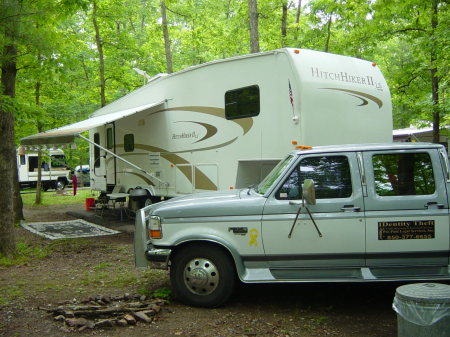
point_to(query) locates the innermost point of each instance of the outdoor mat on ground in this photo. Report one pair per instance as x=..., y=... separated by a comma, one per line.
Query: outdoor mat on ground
x=67, y=229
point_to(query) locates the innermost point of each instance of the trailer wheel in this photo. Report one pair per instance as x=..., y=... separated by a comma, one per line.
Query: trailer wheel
x=202, y=275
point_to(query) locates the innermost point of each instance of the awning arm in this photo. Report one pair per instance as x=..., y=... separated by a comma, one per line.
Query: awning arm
x=164, y=183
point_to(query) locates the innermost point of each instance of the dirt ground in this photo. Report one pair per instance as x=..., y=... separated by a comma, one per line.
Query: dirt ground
x=79, y=268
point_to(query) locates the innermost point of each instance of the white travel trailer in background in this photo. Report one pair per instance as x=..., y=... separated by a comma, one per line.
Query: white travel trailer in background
x=225, y=124
x=54, y=172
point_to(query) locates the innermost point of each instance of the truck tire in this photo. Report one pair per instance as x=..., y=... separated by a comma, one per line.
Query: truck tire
x=202, y=276
x=60, y=184
x=148, y=201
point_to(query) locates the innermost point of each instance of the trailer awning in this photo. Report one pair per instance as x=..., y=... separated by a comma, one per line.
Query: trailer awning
x=66, y=134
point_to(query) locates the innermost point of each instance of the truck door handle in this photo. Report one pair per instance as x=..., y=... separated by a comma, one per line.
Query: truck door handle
x=433, y=204
x=350, y=208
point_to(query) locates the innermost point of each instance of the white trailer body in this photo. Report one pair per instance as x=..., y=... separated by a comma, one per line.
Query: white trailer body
x=226, y=123
x=54, y=172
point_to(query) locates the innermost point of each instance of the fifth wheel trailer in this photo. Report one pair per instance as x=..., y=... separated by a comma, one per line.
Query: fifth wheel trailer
x=225, y=124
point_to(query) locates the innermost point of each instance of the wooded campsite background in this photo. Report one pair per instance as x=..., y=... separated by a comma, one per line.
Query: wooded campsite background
x=63, y=59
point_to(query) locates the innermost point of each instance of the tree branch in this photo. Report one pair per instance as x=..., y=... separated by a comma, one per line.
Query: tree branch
x=405, y=30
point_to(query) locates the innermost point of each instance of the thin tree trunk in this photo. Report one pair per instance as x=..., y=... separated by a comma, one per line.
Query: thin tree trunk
x=327, y=42
x=253, y=22
x=299, y=10
x=434, y=76
x=166, y=38
x=38, y=199
x=284, y=23
x=99, y=42
x=297, y=19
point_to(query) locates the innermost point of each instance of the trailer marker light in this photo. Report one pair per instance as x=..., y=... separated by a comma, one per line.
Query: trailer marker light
x=231, y=188
x=297, y=51
x=294, y=142
x=374, y=64
x=301, y=147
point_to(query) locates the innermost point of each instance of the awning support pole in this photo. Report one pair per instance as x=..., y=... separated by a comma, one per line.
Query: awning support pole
x=164, y=183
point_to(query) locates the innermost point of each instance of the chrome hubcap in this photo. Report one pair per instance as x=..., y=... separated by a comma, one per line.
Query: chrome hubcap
x=201, y=276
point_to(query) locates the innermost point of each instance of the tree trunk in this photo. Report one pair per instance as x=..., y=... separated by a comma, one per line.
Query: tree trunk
x=166, y=38
x=327, y=41
x=299, y=11
x=297, y=19
x=8, y=163
x=101, y=57
x=284, y=23
x=253, y=22
x=434, y=75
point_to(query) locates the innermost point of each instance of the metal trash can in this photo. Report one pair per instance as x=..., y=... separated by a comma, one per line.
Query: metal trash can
x=423, y=310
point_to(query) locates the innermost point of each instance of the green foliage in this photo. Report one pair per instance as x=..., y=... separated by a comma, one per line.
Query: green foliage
x=162, y=293
x=58, y=80
x=52, y=198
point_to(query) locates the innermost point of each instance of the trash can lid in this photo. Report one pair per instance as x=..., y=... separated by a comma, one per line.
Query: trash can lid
x=424, y=292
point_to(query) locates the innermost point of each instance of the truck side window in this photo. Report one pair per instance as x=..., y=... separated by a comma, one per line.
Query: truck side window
x=403, y=174
x=331, y=176
x=128, y=142
x=242, y=102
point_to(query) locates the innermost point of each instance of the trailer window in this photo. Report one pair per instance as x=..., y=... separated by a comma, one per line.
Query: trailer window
x=403, y=174
x=22, y=159
x=128, y=142
x=242, y=102
x=109, y=138
x=96, y=150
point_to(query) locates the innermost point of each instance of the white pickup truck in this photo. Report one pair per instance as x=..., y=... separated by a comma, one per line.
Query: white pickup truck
x=341, y=213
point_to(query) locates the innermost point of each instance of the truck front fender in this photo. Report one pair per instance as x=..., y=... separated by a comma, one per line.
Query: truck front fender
x=213, y=240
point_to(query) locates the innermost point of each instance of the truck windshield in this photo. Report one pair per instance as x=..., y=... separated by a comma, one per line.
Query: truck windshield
x=274, y=174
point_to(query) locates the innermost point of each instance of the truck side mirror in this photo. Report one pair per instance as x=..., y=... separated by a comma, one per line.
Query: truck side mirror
x=309, y=191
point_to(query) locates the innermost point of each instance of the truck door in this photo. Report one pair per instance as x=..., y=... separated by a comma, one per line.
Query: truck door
x=338, y=213
x=407, y=210
x=98, y=168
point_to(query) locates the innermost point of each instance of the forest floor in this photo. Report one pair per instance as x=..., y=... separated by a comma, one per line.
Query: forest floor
x=67, y=271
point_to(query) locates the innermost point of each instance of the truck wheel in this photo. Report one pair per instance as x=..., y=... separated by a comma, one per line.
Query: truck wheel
x=148, y=202
x=202, y=276
x=60, y=184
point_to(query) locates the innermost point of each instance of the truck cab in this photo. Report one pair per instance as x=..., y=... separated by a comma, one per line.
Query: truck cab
x=345, y=213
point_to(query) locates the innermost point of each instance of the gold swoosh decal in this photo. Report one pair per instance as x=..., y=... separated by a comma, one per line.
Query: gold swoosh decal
x=209, y=148
x=201, y=180
x=245, y=123
x=374, y=99
x=211, y=130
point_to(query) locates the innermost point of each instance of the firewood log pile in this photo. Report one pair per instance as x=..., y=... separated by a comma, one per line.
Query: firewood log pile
x=104, y=311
